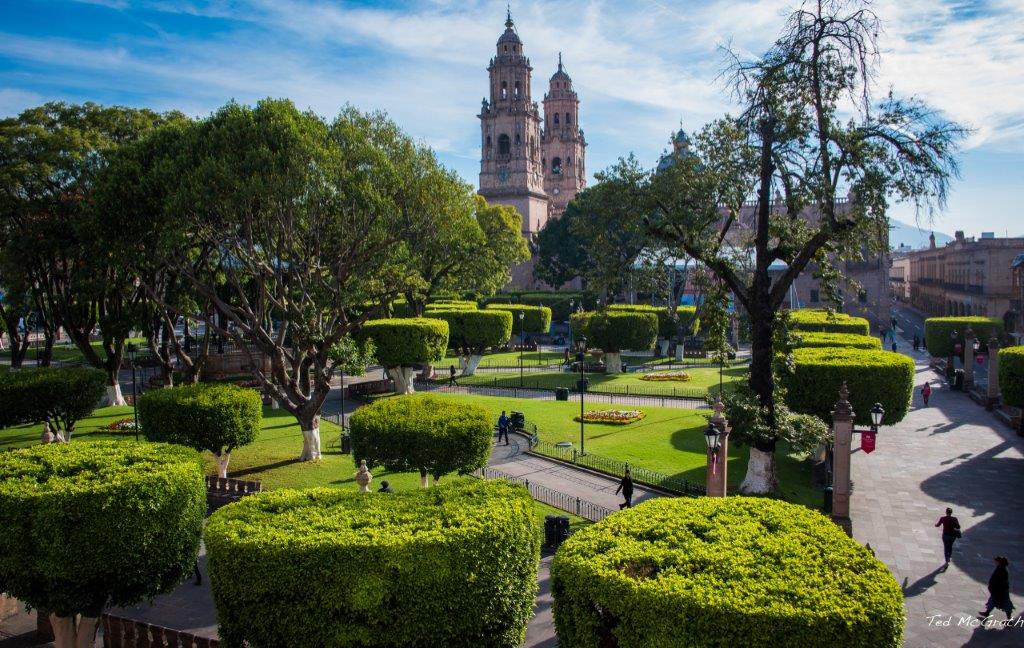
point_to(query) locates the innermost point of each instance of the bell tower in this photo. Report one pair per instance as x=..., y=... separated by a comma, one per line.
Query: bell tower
x=510, y=140
x=562, y=142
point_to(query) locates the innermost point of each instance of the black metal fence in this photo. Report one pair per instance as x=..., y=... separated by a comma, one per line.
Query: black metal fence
x=527, y=391
x=569, y=381
x=562, y=501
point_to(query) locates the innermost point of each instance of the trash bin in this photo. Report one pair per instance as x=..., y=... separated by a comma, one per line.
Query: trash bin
x=581, y=385
x=562, y=394
x=346, y=444
x=550, y=530
x=828, y=500
x=518, y=420
x=958, y=380
x=561, y=530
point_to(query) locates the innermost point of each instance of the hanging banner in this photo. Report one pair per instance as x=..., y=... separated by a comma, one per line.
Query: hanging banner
x=980, y=359
x=867, y=442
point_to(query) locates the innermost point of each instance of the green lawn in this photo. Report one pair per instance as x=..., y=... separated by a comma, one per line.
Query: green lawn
x=69, y=352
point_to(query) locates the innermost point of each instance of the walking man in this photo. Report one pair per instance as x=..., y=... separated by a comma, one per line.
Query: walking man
x=451, y=376
x=999, y=589
x=950, y=533
x=917, y=342
x=926, y=392
x=503, y=425
x=626, y=487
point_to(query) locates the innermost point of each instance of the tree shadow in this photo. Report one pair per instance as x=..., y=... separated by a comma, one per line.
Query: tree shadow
x=262, y=468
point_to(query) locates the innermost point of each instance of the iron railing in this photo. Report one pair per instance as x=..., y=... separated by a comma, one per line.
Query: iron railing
x=562, y=501
x=546, y=392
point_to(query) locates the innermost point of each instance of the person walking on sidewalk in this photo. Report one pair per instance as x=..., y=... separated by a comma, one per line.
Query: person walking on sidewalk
x=894, y=346
x=503, y=425
x=926, y=392
x=917, y=342
x=626, y=487
x=999, y=590
x=950, y=533
x=451, y=376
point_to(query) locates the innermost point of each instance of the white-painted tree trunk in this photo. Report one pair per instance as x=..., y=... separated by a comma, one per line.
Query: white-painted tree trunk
x=680, y=351
x=424, y=480
x=222, y=464
x=613, y=363
x=469, y=364
x=114, y=396
x=310, y=444
x=404, y=378
x=73, y=631
x=428, y=372
x=663, y=347
x=760, y=478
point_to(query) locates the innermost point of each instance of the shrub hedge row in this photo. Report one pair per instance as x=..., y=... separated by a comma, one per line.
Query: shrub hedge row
x=537, y=319
x=872, y=376
x=473, y=331
x=213, y=417
x=1011, y=375
x=615, y=331
x=722, y=572
x=826, y=321
x=849, y=340
x=939, y=338
x=449, y=566
x=94, y=523
x=562, y=304
x=667, y=328
x=407, y=342
x=64, y=396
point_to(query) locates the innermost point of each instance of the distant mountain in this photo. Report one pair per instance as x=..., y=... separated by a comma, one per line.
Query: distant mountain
x=913, y=237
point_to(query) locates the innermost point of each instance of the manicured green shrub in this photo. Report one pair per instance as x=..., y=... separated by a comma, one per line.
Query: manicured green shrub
x=562, y=304
x=434, y=435
x=939, y=338
x=61, y=396
x=95, y=523
x=826, y=321
x=807, y=339
x=667, y=327
x=214, y=417
x=872, y=376
x=616, y=331
x=1011, y=375
x=537, y=319
x=450, y=566
x=401, y=344
x=452, y=304
x=740, y=571
x=472, y=332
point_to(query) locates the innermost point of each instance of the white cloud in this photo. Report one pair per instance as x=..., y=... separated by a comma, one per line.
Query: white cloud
x=13, y=100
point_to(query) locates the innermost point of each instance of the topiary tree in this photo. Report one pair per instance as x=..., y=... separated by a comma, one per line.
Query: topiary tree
x=823, y=320
x=871, y=376
x=942, y=334
x=213, y=417
x=536, y=319
x=401, y=344
x=740, y=571
x=668, y=326
x=97, y=523
x=471, y=332
x=61, y=397
x=806, y=339
x=614, y=331
x=436, y=436
x=1011, y=375
x=452, y=566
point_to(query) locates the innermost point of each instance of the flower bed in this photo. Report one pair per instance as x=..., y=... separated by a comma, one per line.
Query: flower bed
x=249, y=384
x=122, y=425
x=666, y=376
x=612, y=417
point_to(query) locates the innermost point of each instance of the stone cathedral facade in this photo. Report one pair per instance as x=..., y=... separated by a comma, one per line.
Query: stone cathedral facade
x=530, y=160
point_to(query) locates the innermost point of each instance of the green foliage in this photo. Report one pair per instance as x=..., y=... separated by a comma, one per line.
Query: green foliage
x=750, y=425
x=871, y=376
x=473, y=331
x=1011, y=375
x=452, y=304
x=667, y=327
x=213, y=417
x=562, y=304
x=95, y=523
x=407, y=342
x=537, y=318
x=615, y=331
x=422, y=432
x=939, y=338
x=822, y=320
x=353, y=356
x=62, y=396
x=741, y=571
x=805, y=339
x=452, y=566
x=562, y=250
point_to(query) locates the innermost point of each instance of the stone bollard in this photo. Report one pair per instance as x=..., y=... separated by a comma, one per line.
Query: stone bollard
x=717, y=472
x=968, y=359
x=48, y=435
x=363, y=477
x=842, y=418
x=992, y=394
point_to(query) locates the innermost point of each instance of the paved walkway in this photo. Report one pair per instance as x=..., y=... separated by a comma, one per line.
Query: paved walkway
x=954, y=454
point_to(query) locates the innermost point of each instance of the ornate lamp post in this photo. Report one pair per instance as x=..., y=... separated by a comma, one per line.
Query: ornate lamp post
x=581, y=357
x=132, y=350
x=522, y=343
x=572, y=309
x=716, y=437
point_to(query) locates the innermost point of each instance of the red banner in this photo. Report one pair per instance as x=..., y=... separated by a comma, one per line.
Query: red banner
x=867, y=442
x=980, y=358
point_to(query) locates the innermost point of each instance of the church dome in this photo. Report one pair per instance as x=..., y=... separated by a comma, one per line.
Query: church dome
x=510, y=35
x=561, y=74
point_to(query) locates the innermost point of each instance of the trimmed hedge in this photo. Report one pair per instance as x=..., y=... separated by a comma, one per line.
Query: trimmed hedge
x=666, y=327
x=407, y=342
x=938, y=333
x=94, y=523
x=562, y=304
x=1011, y=375
x=537, y=320
x=473, y=331
x=849, y=340
x=615, y=331
x=213, y=417
x=64, y=396
x=450, y=566
x=740, y=571
x=428, y=433
x=452, y=304
x=872, y=376
x=826, y=321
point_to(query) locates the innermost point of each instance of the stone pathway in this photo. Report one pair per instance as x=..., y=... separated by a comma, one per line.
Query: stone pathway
x=954, y=454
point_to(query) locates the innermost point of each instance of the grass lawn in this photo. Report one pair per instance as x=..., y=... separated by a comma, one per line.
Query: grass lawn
x=68, y=352
x=509, y=359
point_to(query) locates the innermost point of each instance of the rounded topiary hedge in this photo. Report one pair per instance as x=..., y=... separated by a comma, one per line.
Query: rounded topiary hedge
x=722, y=572
x=938, y=333
x=808, y=339
x=536, y=319
x=471, y=332
x=452, y=304
x=407, y=342
x=449, y=566
x=211, y=417
x=63, y=396
x=871, y=376
x=667, y=327
x=826, y=321
x=1011, y=375
x=88, y=524
x=434, y=435
x=561, y=303
x=615, y=331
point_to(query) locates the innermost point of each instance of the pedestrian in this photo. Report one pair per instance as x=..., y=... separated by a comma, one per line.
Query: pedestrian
x=917, y=342
x=950, y=533
x=894, y=346
x=451, y=376
x=385, y=487
x=566, y=357
x=503, y=425
x=999, y=589
x=926, y=392
x=626, y=487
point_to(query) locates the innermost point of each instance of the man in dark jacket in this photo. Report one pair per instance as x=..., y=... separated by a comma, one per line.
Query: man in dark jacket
x=626, y=487
x=999, y=589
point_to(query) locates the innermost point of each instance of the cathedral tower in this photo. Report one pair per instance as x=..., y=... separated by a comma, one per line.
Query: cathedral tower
x=562, y=143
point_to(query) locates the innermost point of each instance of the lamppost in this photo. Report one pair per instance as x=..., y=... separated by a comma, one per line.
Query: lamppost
x=951, y=369
x=572, y=309
x=132, y=350
x=877, y=412
x=522, y=343
x=581, y=357
x=711, y=439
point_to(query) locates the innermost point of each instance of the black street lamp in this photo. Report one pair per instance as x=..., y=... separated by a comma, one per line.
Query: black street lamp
x=876, y=416
x=522, y=343
x=572, y=309
x=581, y=357
x=132, y=350
x=711, y=438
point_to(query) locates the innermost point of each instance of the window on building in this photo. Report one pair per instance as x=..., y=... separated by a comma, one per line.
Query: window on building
x=488, y=141
x=544, y=165
x=815, y=297
x=556, y=165
x=556, y=119
x=517, y=89
x=504, y=146
x=568, y=119
x=504, y=90
x=862, y=296
x=568, y=161
x=506, y=48
x=517, y=139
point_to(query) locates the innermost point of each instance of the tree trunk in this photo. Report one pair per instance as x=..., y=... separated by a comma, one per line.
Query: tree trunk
x=760, y=478
x=613, y=362
x=47, y=356
x=310, y=438
x=404, y=378
x=469, y=364
x=424, y=478
x=114, y=397
x=222, y=464
x=74, y=631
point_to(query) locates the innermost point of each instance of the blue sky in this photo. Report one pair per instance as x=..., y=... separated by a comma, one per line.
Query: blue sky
x=640, y=67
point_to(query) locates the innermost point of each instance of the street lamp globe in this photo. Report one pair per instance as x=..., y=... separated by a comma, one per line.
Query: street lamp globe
x=876, y=414
x=711, y=435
